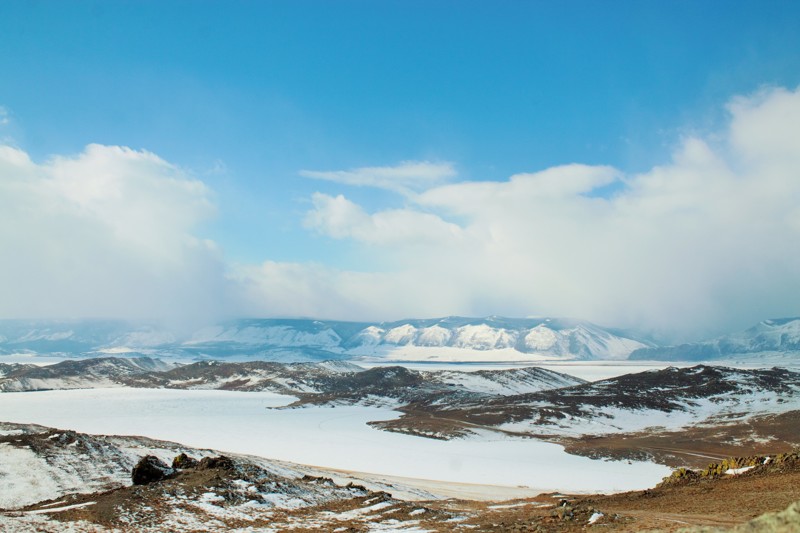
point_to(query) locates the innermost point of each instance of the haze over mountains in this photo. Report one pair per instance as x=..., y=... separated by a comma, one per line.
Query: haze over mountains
x=453, y=339
x=769, y=338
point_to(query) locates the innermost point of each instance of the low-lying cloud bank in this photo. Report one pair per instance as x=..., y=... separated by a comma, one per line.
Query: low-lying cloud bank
x=708, y=242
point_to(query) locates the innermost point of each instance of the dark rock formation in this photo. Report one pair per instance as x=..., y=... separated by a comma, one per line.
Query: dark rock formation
x=222, y=462
x=150, y=469
x=183, y=461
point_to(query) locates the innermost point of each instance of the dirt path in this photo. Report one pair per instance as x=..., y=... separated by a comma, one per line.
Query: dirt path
x=683, y=520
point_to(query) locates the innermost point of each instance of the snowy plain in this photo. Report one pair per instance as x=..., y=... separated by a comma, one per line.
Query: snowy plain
x=332, y=437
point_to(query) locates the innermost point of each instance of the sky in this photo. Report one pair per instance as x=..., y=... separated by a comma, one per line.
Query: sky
x=636, y=164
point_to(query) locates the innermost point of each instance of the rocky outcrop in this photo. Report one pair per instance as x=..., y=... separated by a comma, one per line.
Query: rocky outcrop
x=753, y=465
x=221, y=462
x=186, y=462
x=183, y=461
x=150, y=469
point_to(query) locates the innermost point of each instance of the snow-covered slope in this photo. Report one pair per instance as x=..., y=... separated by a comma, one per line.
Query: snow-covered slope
x=85, y=373
x=50, y=473
x=776, y=338
x=269, y=335
x=505, y=382
x=673, y=399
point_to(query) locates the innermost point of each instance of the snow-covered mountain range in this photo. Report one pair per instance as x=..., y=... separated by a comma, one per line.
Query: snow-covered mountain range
x=774, y=339
x=450, y=339
x=447, y=339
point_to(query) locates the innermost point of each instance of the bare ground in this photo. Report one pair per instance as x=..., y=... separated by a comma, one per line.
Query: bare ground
x=710, y=499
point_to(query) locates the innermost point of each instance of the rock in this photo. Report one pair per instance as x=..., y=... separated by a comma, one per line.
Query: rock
x=150, y=469
x=319, y=479
x=563, y=512
x=353, y=486
x=225, y=463
x=184, y=461
x=681, y=475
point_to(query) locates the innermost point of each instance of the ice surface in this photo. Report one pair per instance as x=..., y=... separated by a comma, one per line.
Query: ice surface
x=324, y=436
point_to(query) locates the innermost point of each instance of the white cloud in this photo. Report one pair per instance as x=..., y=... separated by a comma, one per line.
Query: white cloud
x=4, y=116
x=764, y=127
x=340, y=218
x=705, y=243
x=107, y=232
x=404, y=178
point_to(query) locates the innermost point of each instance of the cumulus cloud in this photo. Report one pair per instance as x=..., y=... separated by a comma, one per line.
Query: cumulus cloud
x=705, y=243
x=104, y=233
x=764, y=127
x=340, y=218
x=404, y=178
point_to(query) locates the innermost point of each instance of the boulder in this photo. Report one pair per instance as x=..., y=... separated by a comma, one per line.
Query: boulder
x=225, y=463
x=150, y=469
x=184, y=461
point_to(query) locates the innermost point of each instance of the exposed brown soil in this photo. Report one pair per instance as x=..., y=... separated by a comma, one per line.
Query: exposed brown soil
x=695, y=446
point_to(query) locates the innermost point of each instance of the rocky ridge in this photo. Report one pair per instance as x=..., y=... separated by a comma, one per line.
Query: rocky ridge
x=670, y=402
x=334, y=380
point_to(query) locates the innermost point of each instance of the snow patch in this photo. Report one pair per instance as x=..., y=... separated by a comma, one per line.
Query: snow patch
x=595, y=517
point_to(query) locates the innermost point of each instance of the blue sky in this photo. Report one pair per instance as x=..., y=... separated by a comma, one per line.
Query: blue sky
x=246, y=96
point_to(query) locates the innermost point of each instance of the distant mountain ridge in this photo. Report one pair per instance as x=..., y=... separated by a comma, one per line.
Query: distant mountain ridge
x=449, y=338
x=768, y=337
x=328, y=379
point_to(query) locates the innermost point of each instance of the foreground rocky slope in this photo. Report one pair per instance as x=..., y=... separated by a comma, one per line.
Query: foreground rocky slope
x=55, y=479
x=65, y=481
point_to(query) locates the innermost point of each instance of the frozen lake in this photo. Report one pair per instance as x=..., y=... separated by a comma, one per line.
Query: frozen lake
x=241, y=422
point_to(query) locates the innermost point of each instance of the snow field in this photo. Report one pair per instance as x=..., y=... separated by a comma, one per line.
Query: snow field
x=339, y=437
